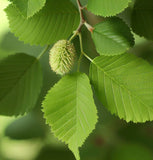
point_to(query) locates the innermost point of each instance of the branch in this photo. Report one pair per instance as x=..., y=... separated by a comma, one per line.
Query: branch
x=82, y=22
x=82, y=19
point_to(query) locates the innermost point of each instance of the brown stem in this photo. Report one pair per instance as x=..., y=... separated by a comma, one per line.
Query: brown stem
x=82, y=22
x=82, y=19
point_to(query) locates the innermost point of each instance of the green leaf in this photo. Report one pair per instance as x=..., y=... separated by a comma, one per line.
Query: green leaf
x=112, y=37
x=70, y=110
x=142, y=18
x=55, y=21
x=20, y=84
x=107, y=7
x=29, y=7
x=124, y=85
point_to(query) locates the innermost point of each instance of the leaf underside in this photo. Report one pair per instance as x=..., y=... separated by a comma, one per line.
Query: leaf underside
x=112, y=37
x=70, y=110
x=20, y=84
x=124, y=85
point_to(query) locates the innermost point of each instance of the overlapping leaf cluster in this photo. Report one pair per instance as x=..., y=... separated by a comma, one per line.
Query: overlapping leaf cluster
x=122, y=81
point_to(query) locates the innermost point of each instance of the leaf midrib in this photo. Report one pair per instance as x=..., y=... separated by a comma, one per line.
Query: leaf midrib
x=77, y=91
x=74, y=134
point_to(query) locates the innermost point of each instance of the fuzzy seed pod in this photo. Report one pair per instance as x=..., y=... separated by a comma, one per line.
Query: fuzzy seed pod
x=62, y=57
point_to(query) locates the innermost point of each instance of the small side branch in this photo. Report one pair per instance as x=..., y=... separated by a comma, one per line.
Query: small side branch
x=43, y=52
x=82, y=53
x=82, y=22
x=82, y=19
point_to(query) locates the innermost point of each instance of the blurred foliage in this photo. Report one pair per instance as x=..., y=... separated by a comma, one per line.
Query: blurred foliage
x=131, y=152
x=32, y=123
x=49, y=152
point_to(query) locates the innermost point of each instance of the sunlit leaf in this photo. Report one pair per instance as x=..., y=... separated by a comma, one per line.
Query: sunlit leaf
x=57, y=20
x=124, y=85
x=107, y=7
x=70, y=110
x=29, y=7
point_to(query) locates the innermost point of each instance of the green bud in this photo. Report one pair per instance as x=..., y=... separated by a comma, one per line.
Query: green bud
x=62, y=57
